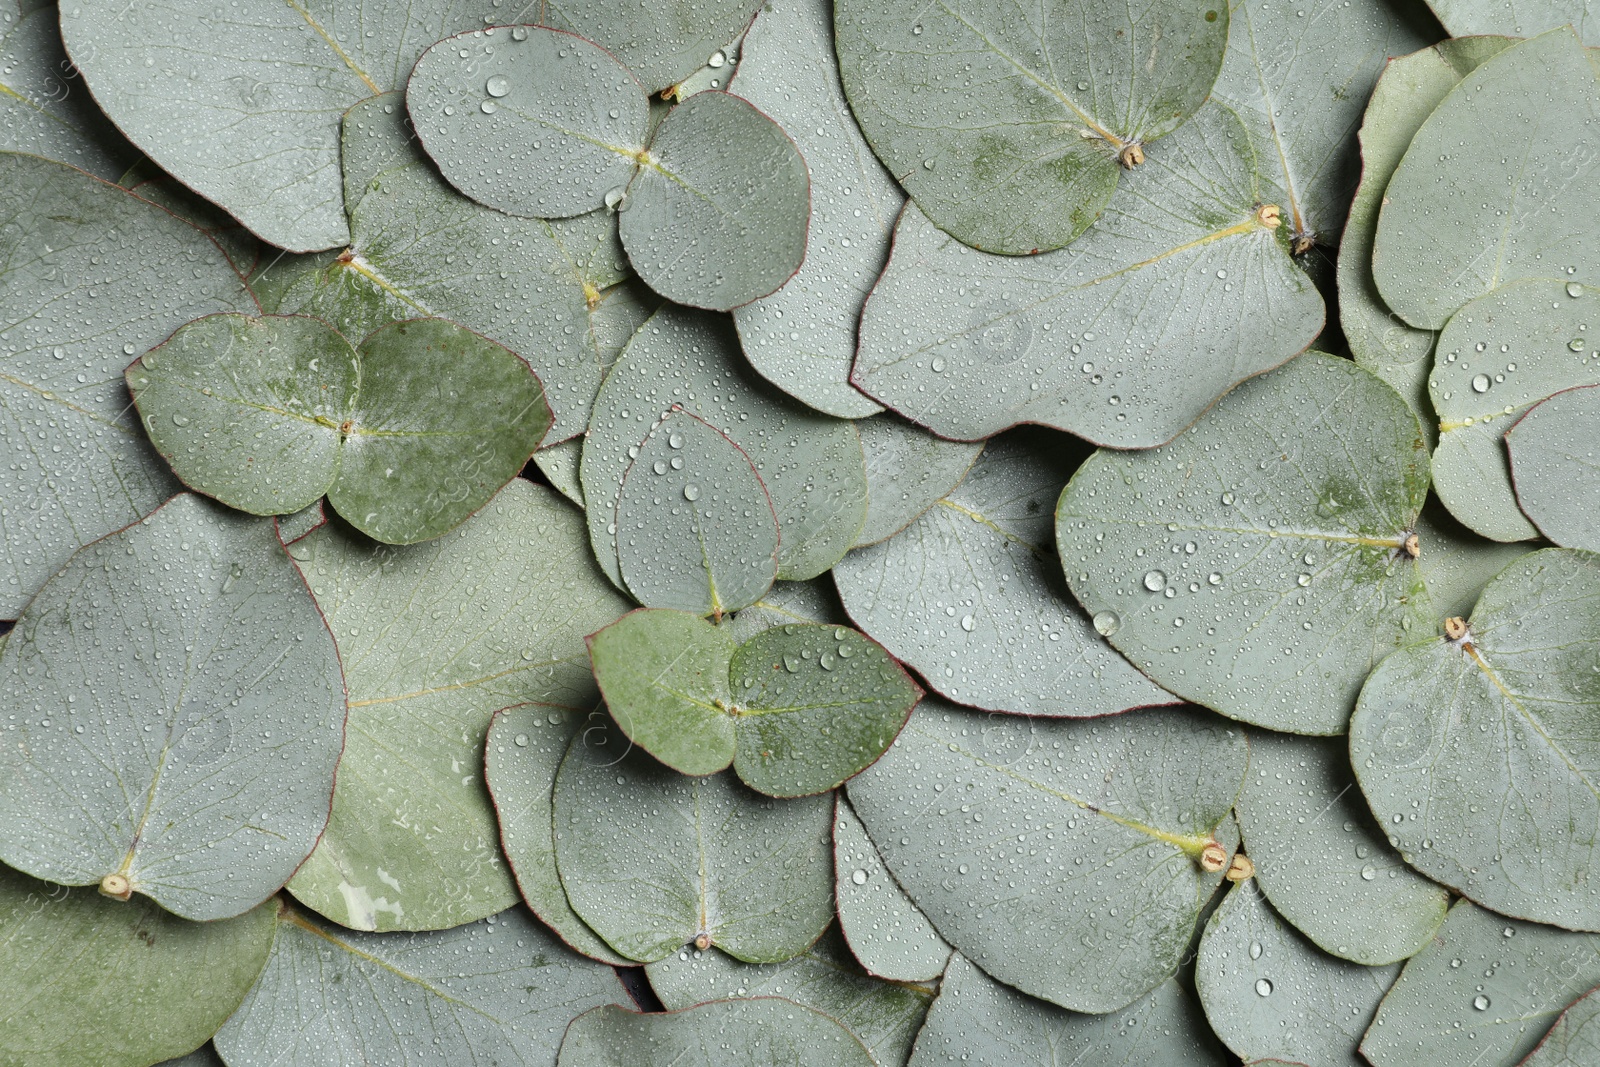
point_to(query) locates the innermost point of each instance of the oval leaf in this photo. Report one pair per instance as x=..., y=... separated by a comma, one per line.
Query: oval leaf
x=1574, y=1040
x=970, y=595
x=908, y=471
x=885, y=931
x=190, y=715
x=766, y=1032
x=1464, y=745
x=1556, y=469
x=1279, y=519
x=1178, y=293
x=718, y=212
x=1114, y=814
x=1006, y=125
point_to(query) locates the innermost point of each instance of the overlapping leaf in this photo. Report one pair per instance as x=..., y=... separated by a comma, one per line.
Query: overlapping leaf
x=885, y=930
x=1574, y=1040
x=44, y=107
x=765, y=1032
x=1465, y=18
x=664, y=43
x=908, y=471
x=1556, y=470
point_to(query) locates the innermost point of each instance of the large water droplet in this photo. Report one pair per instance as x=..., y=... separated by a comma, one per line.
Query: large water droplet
x=1480, y=383
x=499, y=85
x=1480, y=1002
x=1155, y=581
x=1263, y=988
x=1107, y=623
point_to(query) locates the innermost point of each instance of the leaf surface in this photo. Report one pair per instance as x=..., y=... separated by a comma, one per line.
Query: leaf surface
x=1525, y=18
x=663, y=44
x=767, y=1032
x=908, y=471
x=1575, y=1038
x=1556, y=470
x=886, y=932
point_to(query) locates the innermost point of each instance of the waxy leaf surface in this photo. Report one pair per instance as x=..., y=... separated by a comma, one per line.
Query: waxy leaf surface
x=1525, y=18
x=664, y=43
x=908, y=471
x=1575, y=1038
x=884, y=929
x=1556, y=469
x=765, y=1032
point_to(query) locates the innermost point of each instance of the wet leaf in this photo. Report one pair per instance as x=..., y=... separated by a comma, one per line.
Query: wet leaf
x=786, y=603
x=886, y=932
x=1466, y=744
x=970, y=595
x=559, y=464
x=1005, y=125
x=768, y=1032
x=292, y=528
x=908, y=471
x=435, y=638
x=1574, y=1040
x=1555, y=468
x=1455, y=565
x=1104, y=340
x=1463, y=18
x=190, y=714
x=1093, y=906
x=664, y=43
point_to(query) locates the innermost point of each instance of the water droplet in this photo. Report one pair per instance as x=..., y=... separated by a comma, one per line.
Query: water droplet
x=1576, y=344
x=1214, y=578
x=1155, y=581
x=522, y=740
x=1480, y=383
x=1255, y=950
x=1263, y=988
x=499, y=85
x=859, y=877
x=1368, y=873
x=1107, y=623
x=180, y=419
x=519, y=33
x=1574, y=289
x=968, y=623
x=615, y=197
x=1480, y=1002
x=488, y=107
x=691, y=492
x=674, y=440
x=717, y=60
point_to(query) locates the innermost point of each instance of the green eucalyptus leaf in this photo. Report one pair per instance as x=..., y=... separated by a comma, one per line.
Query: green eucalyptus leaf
x=695, y=525
x=663, y=43
x=885, y=931
x=45, y=108
x=1466, y=744
x=1463, y=18
x=107, y=276
x=715, y=73
x=1456, y=564
x=292, y=528
x=1323, y=861
x=1093, y=906
x=1497, y=357
x=1555, y=468
x=147, y=180
x=786, y=603
x=718, y=212
x=1278, y=523
x=189, y=715
x=908, y=471
x=435, y=638
x=1499, y=184
x=529, y=120
x=1406, y=94
x=978, y=1020
x=765, y=1032
x=89, y=981
x=811, y=465
x=1298, y=75
x=970, y=594
x=559, y=464
x=1271, y=995
x=803, y=337
x=1181, y=291
x=1575, y=1038
x=1483, y=992
x=524, y=750
x=653, y=860
x=885, y=1016
x=1007, y=125
x=496, y=991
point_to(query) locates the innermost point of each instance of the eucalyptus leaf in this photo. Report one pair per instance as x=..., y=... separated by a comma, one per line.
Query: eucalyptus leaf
x=1497, y=357
x=885, y=931
x=524, y=749
x=908, y=471
x=292, y=528
x=718, y=213
x=978, y=1020
x=435, y=638
x=147, y=180
x=811, y=465
x=1059, y=856
x=1574, y=1040
x=496, y=991
x=786, y=603
x=885, y=1016
x=1556, y=470
x=663, y=43
x=529, y=120
x=1270, y=994
x=695, y=527
x=1323, y=861
x=105, y=276
x=1276, y=525
x=1007, y=126
x=1525, y=18
x=559, y=464
x=86, y=980
x=765, y=1032
x=1483, y=992
x=1457, y=563
x=1182, y=290
x=189, y=715
x=803, y=337
x=653, y=860
x=1465, y=745
x=970, y=594
x=1499, y=184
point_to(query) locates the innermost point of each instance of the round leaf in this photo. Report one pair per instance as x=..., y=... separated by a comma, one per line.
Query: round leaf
x=530, y=120
x=1499, y=184
x=189, y=715
x=662, y=43
x=653, y=860
x=908, y=471
x=1324, y=862
x=970, y=595
x=695, y=528
x=1276, y=524
x=1177, y=294
x=496, y=991
x=718, y=212
x=1094, y=906
x=74, y=464
x=1556, y=469
x=766, y=1032
x=1484, y=991
x=1465, y=745
x=87, y=980
x=803, y=337
x=1270, y=994
x=1525, y=18
x=435, y=638
x=1005, y=124
x=1574, y=1040
x=886, y=932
